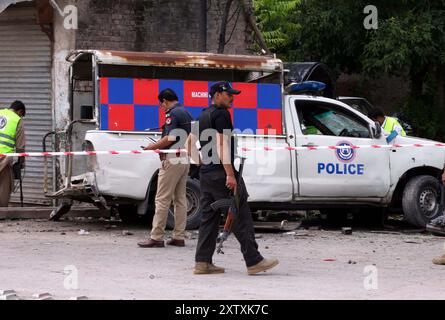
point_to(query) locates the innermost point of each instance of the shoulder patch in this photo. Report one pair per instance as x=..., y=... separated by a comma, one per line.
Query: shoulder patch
x=168, y=120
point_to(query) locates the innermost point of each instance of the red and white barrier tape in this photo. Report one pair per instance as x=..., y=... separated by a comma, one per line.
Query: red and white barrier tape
x=367, y=146
x=245, y=149
x=87, y=153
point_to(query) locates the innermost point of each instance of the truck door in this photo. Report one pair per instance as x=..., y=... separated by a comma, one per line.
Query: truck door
x=343, y=173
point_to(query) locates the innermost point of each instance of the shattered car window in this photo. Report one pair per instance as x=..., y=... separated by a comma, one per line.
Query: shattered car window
x=341, y=125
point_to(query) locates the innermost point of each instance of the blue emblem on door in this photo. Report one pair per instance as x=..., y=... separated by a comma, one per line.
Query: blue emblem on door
x=345, y=154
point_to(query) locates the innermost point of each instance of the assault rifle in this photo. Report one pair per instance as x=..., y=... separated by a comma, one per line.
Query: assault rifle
x=231, y=206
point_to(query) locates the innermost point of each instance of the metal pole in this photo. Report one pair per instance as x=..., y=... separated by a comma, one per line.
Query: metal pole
x=21, y=190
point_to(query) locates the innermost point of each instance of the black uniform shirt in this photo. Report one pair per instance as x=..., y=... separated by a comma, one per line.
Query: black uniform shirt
x=217, y=118
x=177, y=117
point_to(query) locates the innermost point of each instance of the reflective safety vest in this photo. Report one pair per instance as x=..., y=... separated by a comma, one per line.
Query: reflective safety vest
x=310, y=130
x=9, y=121
x=390, y=123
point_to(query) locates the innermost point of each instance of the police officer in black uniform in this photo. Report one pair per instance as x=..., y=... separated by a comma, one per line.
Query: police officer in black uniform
x=218, y=179
x=172, y=177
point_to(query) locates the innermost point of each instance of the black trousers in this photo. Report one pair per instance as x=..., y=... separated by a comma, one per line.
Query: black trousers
x=213, y=187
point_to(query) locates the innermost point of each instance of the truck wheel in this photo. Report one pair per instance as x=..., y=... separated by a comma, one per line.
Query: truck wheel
x=193, y=193
x=420, y=200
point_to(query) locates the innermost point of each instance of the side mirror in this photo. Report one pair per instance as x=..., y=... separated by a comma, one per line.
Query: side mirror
x=86, y=112
x=376, y=130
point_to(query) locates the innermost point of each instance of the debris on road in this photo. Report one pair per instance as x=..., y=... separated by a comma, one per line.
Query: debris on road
x=5, y=292
x=83, y=232
x=299, y=233
x=299, y=249
x=42, y=296
x=273, y=226
x=385, y=232
x=79, y=298
x=346, y=230
x=10, y=296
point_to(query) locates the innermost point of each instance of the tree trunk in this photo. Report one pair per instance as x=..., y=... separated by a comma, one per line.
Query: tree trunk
x=250, y=18
x=441, y=89
x=417, y=80
x=222, y=33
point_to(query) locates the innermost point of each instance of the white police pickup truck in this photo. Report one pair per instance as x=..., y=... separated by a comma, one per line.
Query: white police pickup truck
x=280, y=132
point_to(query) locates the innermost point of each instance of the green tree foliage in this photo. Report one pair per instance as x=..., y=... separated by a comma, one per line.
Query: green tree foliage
x=331, y=32
x=277, y=21
x=413, y=41
x=410, y=40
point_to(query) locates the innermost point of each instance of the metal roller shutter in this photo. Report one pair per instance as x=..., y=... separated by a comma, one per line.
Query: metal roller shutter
x=25, y=74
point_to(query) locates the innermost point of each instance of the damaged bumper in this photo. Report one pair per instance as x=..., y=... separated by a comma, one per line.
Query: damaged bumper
x=82, y=188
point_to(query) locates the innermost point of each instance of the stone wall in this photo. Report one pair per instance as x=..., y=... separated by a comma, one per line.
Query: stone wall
x=241, y=41
x=158, y=25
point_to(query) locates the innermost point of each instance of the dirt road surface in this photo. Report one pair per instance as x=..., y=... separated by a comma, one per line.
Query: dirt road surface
x=104, y=262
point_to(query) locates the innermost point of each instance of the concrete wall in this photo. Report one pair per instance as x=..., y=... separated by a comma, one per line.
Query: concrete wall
x=64, y=42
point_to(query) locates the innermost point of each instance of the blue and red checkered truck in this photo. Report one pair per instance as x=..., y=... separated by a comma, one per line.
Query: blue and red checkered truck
x=303, y=149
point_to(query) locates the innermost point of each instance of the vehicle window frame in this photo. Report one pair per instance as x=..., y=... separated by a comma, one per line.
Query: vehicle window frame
x=331, y=107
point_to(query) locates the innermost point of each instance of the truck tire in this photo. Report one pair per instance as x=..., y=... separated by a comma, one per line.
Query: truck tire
x=420, y=200
x=193, y=192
